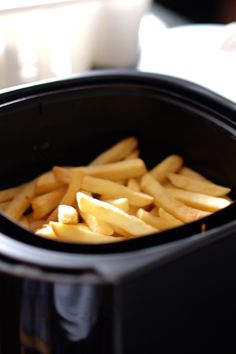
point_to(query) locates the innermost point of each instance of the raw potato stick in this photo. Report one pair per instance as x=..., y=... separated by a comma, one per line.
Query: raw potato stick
x=116, y=152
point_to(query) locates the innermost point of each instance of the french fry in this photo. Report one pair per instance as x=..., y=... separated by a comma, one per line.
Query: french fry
x=77, y=234
x=4, y=205
x=96, y=225
x=163, y=199
x=116, y=152
x=150, y=219
x=67, y=214
x=155, y=212
x=113, y=215
x=113, y=171
x=121, y=181
x=170, y=164
x=43, y=205
x=85, y=192
x=121, y=203
x=23, y=221
x=120, y=232
x=169, y=219
x=111, y=189
x=47, y=182
x=83, y=226
x=70, y=196
x=37, y=224
x=133, y=185
x=198, y=200
x=189, y=172
x=9, y=193
x=21, y=202
x=163, y=222
x=198, y=186
x=133, y=210
x=47, y=232
x=133, y=155
x=114, y=198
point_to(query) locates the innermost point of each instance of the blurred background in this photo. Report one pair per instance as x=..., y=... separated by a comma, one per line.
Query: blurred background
x=41, y=39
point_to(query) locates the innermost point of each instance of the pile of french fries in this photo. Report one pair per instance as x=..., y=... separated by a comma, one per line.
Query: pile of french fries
x=114, y=198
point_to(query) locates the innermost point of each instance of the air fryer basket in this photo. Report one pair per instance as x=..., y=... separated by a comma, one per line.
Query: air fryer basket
x=68, y=123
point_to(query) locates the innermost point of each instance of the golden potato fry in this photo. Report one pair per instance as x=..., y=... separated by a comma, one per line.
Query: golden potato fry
x=163, y=222
x=9, y=193
x=24, y=221
x=133, y=210
x=198, y=186
x=111, y=189
x=133, y=185
x=169, y=219
x=116, y=152
x=47, y=232
x=4, y=205
x=96, y=225
x=85, y=192
x=42, y=205
x=21, y=202
x=67, y=214
x=133, y=155
x=46, y=183
x=70, y=195
x=198, y=200
x=155, y=212
x=83, y=226
x=121, y=232
x=189, y=172
x=150, y=219
x=113, y=215
x=37, y=224
x=77, y=234
x=121, y=181
x=171, y=163
x=163, y=199
x=113, y=171
x=121, y=203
